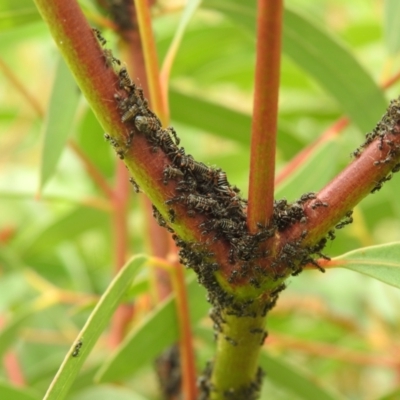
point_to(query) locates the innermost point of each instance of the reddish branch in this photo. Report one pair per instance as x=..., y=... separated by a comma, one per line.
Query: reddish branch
x=264, y=127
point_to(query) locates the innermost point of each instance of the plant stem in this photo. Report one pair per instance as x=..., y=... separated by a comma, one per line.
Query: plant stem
x=264, y=127
x=236, y=364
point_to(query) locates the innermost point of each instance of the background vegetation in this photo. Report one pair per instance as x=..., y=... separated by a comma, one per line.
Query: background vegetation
x=331, y=336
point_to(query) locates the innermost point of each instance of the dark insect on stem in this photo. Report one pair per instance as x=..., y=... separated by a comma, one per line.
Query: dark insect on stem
x=348, y=220
x=136, y=187
x=130, y=113
x=125, y=81
x=147, y=125
x=233, y=342
x=171, y=173
x=171, y=215
x=99, y=36
x=111, y=140
x=77, y=348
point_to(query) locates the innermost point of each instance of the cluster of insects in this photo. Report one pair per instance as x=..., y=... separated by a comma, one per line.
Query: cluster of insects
x=203, y=190
x=389, y=124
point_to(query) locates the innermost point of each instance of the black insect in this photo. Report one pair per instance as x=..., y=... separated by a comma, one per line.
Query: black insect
x=125, y=81
x=111, y=140
x=171, y=173
x=396, y=168
x=348, y=220
x=120, y=153
x=202, y=203
x=233, y=342
x=233, y=276
x=307, y=196
x=77, y=348
x=318, y=203
x=148, y=125
x=161, y=221
x=99, y=36
x=131, y=113
x=381, y=182
x=171, y=215
x=164, y=139
x=110, y=59
x=136, y=187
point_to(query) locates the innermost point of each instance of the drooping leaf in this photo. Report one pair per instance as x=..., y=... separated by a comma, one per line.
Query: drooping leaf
x=92, y=330
x=323, y=57
x=59, y=120
x=381, y=262
x=148, y=339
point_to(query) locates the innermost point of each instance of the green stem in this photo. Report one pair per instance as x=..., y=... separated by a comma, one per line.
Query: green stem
x=235, y=368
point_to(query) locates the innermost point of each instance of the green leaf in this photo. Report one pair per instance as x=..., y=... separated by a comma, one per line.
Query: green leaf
x=148, y=339
x=322, y=57
x=17, y=12
x=391, y=26
x=187, y=14
x=8, y=392
x=107, y=392
x=210, y=117
x=93, y=328
x=59, y=120
x=381, y=262
x=9, y=332
x=68, y=226
x=313, y=174
x=291, y=379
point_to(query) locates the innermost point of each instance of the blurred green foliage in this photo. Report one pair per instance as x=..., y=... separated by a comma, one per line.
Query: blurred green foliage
x=334, y=331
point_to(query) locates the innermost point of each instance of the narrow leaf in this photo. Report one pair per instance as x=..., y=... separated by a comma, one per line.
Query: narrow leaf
x=381, y=262
x=92, y=330
x=188, y=12
x=158, y=331
x=291, y=379
x=68, y=226
x=59, y=120
x=323, y=57
x=391, y=26
x=210, y=117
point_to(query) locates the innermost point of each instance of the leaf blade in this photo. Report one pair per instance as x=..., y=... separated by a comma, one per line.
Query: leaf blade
x=149, y=336
x=381, y=262
x=59, y=120
x=93, y=328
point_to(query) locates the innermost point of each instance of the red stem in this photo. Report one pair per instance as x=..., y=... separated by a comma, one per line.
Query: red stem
x=188, y=367
x=264, y=127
